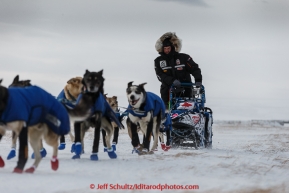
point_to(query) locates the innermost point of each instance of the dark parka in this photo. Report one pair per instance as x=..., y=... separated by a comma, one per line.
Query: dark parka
x=174, y=66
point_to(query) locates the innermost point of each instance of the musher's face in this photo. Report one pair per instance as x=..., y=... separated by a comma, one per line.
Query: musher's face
x=167, y=49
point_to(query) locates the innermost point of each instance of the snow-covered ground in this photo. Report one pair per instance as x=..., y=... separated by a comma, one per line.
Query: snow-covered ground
x=246, y=157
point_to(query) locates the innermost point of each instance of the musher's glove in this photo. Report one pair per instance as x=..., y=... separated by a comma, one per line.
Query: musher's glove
x=177, y=83
x=198, y=84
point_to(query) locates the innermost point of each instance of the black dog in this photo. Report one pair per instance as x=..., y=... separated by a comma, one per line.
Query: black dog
x=102, y=116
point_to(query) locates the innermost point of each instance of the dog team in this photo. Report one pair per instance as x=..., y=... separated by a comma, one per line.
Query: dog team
x=33, y=115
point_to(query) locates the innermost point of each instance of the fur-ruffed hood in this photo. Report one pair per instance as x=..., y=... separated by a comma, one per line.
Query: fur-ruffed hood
x=177, y=43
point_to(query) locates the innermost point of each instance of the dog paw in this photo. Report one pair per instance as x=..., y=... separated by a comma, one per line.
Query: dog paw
x=54, y=164
x=143, y=152
x=94, y=157
x=30, y=170
x=111, y=153
x=156, y=149
x=2, y=163
x=11, y=154
x=150, y=152
x=17, y=170
x=61, y=146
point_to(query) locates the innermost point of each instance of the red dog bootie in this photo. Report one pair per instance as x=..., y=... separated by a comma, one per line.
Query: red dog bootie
x=54, y=163
x=2, y=163
x=167, y=148
x=17, y=170
x=163, y=146
x=30, y=170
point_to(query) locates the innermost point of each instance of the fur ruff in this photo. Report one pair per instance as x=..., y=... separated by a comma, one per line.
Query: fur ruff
x=176, y=41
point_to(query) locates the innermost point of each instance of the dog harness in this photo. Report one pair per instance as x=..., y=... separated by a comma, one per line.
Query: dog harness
x=152, y=103
x=62, y=98
x=34, y=105
x=101, y=105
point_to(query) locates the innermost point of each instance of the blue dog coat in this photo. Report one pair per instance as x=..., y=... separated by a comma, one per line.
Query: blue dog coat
x=34, y=105
x=153, y=103
x=62, y=98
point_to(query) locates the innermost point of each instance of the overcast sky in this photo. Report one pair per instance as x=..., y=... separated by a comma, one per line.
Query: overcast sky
x=240, y=46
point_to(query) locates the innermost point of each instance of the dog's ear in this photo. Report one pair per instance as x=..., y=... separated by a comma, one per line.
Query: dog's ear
x=129, y=84
x=70, y=81
x=1, y=81
x=114, y=97
x=142, y=85
x=78, y=79
x=86, y=72
x=27, y=82
x=100, y=72
x=105, y=96
x=16, y=79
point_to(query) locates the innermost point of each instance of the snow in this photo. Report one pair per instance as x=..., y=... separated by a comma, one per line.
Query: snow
x=245, y=158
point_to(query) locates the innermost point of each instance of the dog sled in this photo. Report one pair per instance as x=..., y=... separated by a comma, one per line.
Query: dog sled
x=189, y=121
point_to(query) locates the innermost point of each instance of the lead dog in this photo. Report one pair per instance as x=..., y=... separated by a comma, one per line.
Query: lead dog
x=147, y=110
x=102, y=117
x=68, y=96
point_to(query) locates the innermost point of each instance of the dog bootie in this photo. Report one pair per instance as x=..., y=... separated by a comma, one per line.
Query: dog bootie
x=113, y=146
x=111, y=153
x=43, y=153
x=54, y=163
x=61, y=146
x=105, y=149
x=72, y=148
x=77, y=150
x=11, y=154
x=17, y=170
x=137, y=149
x=2, y=163
x=163, y=145
x=30, y=170
x=167, y=148
x=94, y=157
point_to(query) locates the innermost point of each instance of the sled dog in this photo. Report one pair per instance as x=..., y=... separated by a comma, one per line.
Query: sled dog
x=33, y=109
x=113, y=103
x=16, y=83
x=147, y=110
x=102, y=116
x=68, y=96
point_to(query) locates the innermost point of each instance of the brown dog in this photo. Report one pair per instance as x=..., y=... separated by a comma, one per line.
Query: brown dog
x=112, y=101
x=71, y=92
x=73, y=88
